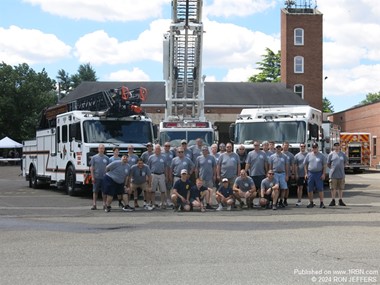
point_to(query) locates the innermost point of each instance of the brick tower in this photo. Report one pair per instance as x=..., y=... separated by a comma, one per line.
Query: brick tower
x=301, y=50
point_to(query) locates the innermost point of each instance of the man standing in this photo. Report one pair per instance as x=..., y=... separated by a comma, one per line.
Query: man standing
x=291, y=176
x=205, y=168
x=181, y=162
x=315, y=171
x=98, y=165
x=132, y=157
x=115, y=181
x=228, y=165
x=256, y=165
x=278, y=162
x=336, y=161
x=159, y=169
x=169, y=154
x=299, y=159
x=242, y=156
x=149, y=151
x=196, y=149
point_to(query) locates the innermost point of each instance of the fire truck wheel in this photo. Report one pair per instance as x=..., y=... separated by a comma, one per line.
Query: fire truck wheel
x=70, y=180
x=33, y=182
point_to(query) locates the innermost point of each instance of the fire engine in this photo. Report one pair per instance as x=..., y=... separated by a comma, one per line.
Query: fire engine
x=295, y=124
x=184, y=83
x=69, y=134
x=357, y=147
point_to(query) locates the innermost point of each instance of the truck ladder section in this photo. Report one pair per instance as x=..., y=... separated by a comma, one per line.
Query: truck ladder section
x=185, y=97
x=120, y=102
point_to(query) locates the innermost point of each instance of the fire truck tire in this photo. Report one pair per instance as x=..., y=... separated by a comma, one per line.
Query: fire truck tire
x=33, y=181
x=70, y=180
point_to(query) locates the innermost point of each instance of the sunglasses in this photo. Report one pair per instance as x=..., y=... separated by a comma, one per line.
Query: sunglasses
x=271, y=173
x=180, y=151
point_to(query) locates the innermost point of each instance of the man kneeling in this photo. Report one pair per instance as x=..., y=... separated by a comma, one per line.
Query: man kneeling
x=181, y=193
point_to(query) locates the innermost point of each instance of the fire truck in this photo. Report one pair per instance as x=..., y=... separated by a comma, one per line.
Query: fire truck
x=357, y=147
x=295, y=124
x=69, y=134
x=184, y=83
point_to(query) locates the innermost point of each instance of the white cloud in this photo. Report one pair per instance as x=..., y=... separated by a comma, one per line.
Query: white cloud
x=100, y=48
x=100, y=10
x=240, y=74
x=19, y=45
x=136, y=74
x=241, y=8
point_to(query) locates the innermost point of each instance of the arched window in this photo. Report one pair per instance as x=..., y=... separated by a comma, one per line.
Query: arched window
x=298, y=64
x=298, y=37
x=298, y=89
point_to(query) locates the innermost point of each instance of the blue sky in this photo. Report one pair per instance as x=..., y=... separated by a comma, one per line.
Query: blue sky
x=122, y=39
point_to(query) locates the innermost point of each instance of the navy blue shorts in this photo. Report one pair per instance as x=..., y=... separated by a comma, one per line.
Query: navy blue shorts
x=111, y=188
x=314, y=181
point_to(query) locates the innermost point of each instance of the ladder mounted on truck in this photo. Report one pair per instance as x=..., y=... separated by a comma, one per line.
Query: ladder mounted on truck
x=119, y=102
x=183, y=47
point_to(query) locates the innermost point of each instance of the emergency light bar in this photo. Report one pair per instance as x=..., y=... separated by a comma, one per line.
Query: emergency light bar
x=186, y=124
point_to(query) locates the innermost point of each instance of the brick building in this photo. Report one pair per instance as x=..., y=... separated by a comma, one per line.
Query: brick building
x=302, y=51
x=365, y=118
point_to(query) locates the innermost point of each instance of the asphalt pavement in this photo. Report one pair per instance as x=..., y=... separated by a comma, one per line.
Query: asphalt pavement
x=48, y=237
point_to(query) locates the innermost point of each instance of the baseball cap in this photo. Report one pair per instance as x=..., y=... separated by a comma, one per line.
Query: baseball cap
x=183, y=171
x=336, y=144
x=149, y=144
x=278, y=146
x=183, y=141
x=224, y=180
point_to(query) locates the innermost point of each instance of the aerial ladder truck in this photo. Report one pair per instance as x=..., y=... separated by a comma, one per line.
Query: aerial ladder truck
x=184, y=83
x=69, y=134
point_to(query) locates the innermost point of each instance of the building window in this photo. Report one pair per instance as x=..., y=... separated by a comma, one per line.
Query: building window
x=298, y=64
x=298, y=89
x=374, y=140
x=298, y=37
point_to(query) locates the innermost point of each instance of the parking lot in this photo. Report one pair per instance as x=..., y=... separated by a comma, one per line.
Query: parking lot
x=48, y=237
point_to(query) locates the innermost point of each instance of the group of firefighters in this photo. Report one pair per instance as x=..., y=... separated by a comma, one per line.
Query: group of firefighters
x=200, y=176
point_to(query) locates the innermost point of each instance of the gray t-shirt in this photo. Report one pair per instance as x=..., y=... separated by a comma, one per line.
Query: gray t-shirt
x=138, y=175
x=157, y=163
x=278, y=162
x=299, y=159
x=337, y=162
x=118, y=171
x=206, y=165
x=99, y=163
x=266, y=183
x=256, y=161
x=196, y=152
x=290, y=157
x=244, y=184
x=181, y=163
x=132, y=159
x=229, y=164
x=145, y=156
x=315, y=161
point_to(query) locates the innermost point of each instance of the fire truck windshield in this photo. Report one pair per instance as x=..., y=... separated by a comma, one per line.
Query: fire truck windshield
x=175, y=137
x=294, y=131
x=112, y=131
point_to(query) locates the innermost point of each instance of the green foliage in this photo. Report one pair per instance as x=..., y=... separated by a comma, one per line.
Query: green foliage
x=327, y=107
x=270, y=68
x=371, y=98
x=24, y=93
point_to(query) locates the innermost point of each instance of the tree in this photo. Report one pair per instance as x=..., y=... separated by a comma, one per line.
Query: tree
x=85, y=73
x=64, y=83
x=371, y=98
x=24, y=93
x=270, y=68
x=327, y=107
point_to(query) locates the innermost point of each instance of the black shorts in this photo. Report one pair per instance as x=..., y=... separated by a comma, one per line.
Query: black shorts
x=301, y=181
x=111, y=188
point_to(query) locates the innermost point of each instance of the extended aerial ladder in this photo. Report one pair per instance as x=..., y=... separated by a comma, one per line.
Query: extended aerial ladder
x=182, y=72
x=184, y=82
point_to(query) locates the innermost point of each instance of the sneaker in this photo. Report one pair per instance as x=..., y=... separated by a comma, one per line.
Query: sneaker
x=93, y=207
x=299, y=203
x=121, y=205
x=148, y=208
x=229, y=208
x=126, y=208
x=332, y=203
x=107, y=209
x=220, y=208
x=241, y=204
x=175, y=208
x=341, y=203
x=162, y=206
x=274, y=207
x=281, y=205
x=203, y=210
x=310, y=205
x=209, y=207
x=285, y=202
x=322, y=206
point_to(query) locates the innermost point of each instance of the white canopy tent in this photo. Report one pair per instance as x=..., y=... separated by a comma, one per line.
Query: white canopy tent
x=9, y=143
